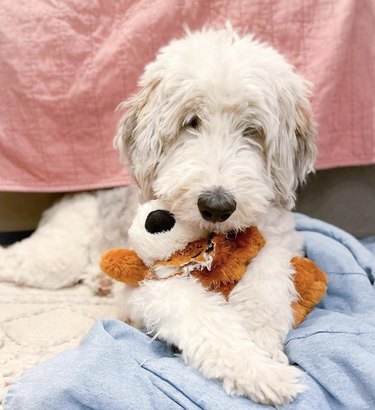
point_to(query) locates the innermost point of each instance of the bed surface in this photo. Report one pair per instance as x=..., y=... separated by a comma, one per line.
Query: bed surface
x=35, y=324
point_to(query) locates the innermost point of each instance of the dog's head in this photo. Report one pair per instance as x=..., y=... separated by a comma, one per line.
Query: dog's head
x=221, y=130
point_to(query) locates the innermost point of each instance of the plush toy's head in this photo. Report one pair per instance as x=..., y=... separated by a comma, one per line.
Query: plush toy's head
x=156, y=235
x=165, y=247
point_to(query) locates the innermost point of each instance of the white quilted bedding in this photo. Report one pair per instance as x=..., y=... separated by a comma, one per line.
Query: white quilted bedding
x=36, y=324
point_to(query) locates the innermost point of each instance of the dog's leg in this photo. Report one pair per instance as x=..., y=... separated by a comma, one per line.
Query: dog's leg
x=126, y=311
x=57, y=254
x=212, y=338
x=116, y=208
x=264, y=296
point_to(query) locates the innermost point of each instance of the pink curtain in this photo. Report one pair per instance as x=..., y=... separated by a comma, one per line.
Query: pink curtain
x=65, y=65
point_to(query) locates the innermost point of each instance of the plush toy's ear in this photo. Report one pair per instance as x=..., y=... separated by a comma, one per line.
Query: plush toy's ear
x=124, y=266
x=311, y=285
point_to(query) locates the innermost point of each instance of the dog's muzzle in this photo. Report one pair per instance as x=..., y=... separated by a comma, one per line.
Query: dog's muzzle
x=216, y=204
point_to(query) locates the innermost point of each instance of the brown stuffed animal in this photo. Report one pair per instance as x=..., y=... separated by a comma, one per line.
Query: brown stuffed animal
x=218, y=263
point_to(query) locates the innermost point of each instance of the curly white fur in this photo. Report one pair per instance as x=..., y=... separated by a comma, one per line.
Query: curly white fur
x=215, y=109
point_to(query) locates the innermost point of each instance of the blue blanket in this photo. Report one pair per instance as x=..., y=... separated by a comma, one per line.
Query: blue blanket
x=117, y=367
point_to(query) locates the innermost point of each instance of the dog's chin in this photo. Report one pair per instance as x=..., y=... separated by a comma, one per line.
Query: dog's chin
x=232, y=224
x=220, y=227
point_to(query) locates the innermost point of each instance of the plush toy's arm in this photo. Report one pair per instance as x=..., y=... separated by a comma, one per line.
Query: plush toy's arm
x=311, y=285
x=123, y=265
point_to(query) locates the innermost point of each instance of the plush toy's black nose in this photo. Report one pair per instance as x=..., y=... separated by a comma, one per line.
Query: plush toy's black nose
x=159, y=221
x=216, y=204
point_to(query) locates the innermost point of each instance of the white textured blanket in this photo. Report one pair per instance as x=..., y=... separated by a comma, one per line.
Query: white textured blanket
x=36, y=324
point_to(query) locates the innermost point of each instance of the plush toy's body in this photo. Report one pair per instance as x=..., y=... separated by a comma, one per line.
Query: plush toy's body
x=218, y=262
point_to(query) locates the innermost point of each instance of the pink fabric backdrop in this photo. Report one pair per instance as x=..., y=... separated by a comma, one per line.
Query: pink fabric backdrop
x=65, y=65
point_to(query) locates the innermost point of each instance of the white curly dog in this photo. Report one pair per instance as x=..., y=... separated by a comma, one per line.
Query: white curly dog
x=221, y=130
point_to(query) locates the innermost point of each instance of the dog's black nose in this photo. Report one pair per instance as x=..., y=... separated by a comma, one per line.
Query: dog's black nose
x=159, y=221
x=216, y=204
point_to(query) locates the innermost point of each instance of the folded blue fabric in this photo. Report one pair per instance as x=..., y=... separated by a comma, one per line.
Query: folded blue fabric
x=117, y=367
x=369, y=243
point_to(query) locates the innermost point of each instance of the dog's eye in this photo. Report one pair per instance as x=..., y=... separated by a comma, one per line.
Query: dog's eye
x=193, y=122
x=254, y=136
x=251, y=132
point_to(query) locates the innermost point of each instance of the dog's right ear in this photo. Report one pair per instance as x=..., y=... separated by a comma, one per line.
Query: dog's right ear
x=136, y=137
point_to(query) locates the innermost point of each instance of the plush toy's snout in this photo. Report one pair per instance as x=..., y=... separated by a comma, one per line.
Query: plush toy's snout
x=159, y=221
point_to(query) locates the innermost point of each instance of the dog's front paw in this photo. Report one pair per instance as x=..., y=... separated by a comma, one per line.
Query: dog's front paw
x=272, y=383
x=100, y=284
x=269, y=341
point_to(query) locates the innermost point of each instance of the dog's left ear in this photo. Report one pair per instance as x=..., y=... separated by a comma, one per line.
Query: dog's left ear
x=292, y=152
